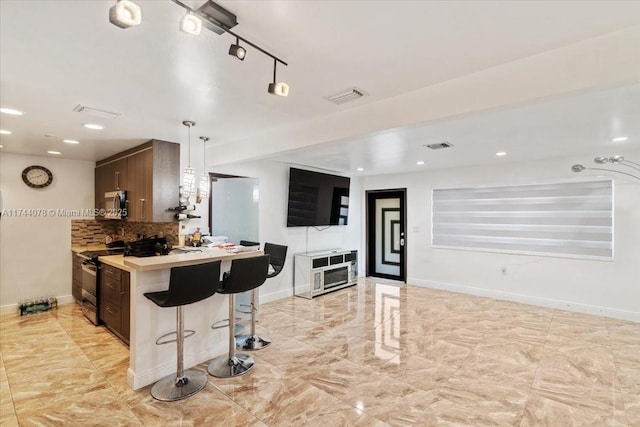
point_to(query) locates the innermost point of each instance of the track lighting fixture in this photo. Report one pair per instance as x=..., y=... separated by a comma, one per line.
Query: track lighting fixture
x=277, y=88
x=125, y=14
x=614, y=160
x=188, y=173
x=237, y=50
x=191, y=24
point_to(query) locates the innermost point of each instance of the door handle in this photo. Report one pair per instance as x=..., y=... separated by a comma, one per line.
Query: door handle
x=401, y=242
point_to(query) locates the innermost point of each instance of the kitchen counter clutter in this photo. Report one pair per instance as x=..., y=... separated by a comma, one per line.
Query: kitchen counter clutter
x=193, y=256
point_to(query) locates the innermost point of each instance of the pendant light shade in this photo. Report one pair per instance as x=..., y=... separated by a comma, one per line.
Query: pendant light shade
x=203, y=186
x=189, y=173
x=125, y=14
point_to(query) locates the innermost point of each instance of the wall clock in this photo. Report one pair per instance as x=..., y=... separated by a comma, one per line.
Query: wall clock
x=37, y=176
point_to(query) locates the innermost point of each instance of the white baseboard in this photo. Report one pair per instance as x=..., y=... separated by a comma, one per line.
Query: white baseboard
x=273, y=296
x=632, y=316
x=13, y=308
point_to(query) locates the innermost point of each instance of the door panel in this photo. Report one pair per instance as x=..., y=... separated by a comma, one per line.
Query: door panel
x=387, y=237
x=386, y=223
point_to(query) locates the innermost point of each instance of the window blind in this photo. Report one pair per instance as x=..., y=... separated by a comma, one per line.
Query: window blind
x=573, y=219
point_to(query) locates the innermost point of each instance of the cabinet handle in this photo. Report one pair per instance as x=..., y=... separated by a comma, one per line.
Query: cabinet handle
x=117, y=180
x=142, y=215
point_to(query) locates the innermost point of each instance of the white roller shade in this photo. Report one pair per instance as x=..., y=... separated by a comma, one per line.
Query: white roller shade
x=573, y=219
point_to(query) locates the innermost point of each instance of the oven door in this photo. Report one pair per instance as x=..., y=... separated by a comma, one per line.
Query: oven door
x=90, y=291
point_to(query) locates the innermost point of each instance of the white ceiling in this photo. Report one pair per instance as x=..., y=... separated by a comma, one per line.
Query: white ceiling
x=55, y=55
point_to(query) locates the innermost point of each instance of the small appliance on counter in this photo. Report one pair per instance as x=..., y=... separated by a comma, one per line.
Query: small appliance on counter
x=148, y=246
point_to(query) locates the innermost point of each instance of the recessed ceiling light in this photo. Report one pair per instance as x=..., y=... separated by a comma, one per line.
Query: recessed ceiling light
x=620, y=139
x=54, y=152
x=1, y=146
x=360, y=169
x=71, y=141
x=420, y=162
x=5, y=132
x=501, y=153
x=93, y=126
x=11, y=111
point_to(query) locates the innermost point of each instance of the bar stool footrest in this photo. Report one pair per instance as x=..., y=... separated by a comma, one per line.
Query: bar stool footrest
x=187, y=334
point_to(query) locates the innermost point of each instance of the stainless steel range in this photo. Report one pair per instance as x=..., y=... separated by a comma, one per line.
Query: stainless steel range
x=91, y=281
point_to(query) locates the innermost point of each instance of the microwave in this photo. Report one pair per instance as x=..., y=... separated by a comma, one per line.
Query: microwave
x=115, y=204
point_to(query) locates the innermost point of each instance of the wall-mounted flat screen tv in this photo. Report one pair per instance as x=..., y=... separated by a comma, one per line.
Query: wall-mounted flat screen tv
x=317, y=199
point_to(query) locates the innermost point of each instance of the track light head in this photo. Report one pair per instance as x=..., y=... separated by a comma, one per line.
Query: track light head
x=125, y=14
x=616, y=159
x=238, y=51
x=191, y=24
x=577, y=168
x=600, y=160
x=279, y=88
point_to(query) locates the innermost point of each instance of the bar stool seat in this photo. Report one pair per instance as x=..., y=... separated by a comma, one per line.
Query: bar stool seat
x=187, y=285
x=245, y=274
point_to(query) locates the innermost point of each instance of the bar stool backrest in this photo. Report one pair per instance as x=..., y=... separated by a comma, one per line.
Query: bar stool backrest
x=278, y=255
x=192, y=283
x=245, y=274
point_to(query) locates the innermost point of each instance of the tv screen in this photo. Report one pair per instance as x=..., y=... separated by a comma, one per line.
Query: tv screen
x=317, y=199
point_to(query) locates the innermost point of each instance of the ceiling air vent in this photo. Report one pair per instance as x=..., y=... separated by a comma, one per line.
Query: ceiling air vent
x=347, y=95
x=439, y=146
x=101, y=114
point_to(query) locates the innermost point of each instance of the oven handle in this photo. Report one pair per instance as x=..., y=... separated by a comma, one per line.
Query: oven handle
x=89, y=268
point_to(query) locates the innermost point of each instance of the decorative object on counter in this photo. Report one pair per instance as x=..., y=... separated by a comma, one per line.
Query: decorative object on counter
x=189, y=173
x=205, y=181
x=32, y=306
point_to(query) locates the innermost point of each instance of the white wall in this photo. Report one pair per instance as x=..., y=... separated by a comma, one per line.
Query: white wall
x=274, y=187
x=599, y=287
x=35, y=252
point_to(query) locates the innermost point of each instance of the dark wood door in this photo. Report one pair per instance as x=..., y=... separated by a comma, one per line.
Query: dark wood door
x=139, y=190
x=386, y=235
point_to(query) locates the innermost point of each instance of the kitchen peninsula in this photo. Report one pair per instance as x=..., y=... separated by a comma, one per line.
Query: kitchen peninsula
x=148, y=362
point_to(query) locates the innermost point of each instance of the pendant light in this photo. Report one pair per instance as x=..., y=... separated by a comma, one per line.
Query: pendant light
x=203, y=188
x=189, y=173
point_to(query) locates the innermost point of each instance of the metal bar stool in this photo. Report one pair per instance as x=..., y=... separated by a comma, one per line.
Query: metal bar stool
x=245, y=274
x=187, y=285
x=278, y=254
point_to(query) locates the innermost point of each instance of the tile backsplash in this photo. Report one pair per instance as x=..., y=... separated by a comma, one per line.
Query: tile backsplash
x=91, y=232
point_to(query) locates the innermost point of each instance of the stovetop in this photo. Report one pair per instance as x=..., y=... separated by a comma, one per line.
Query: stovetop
x=102, y=252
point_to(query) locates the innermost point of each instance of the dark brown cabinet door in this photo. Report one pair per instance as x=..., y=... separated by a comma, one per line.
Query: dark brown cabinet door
x=115, y=301
x=140, y=190
x=125, y=303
